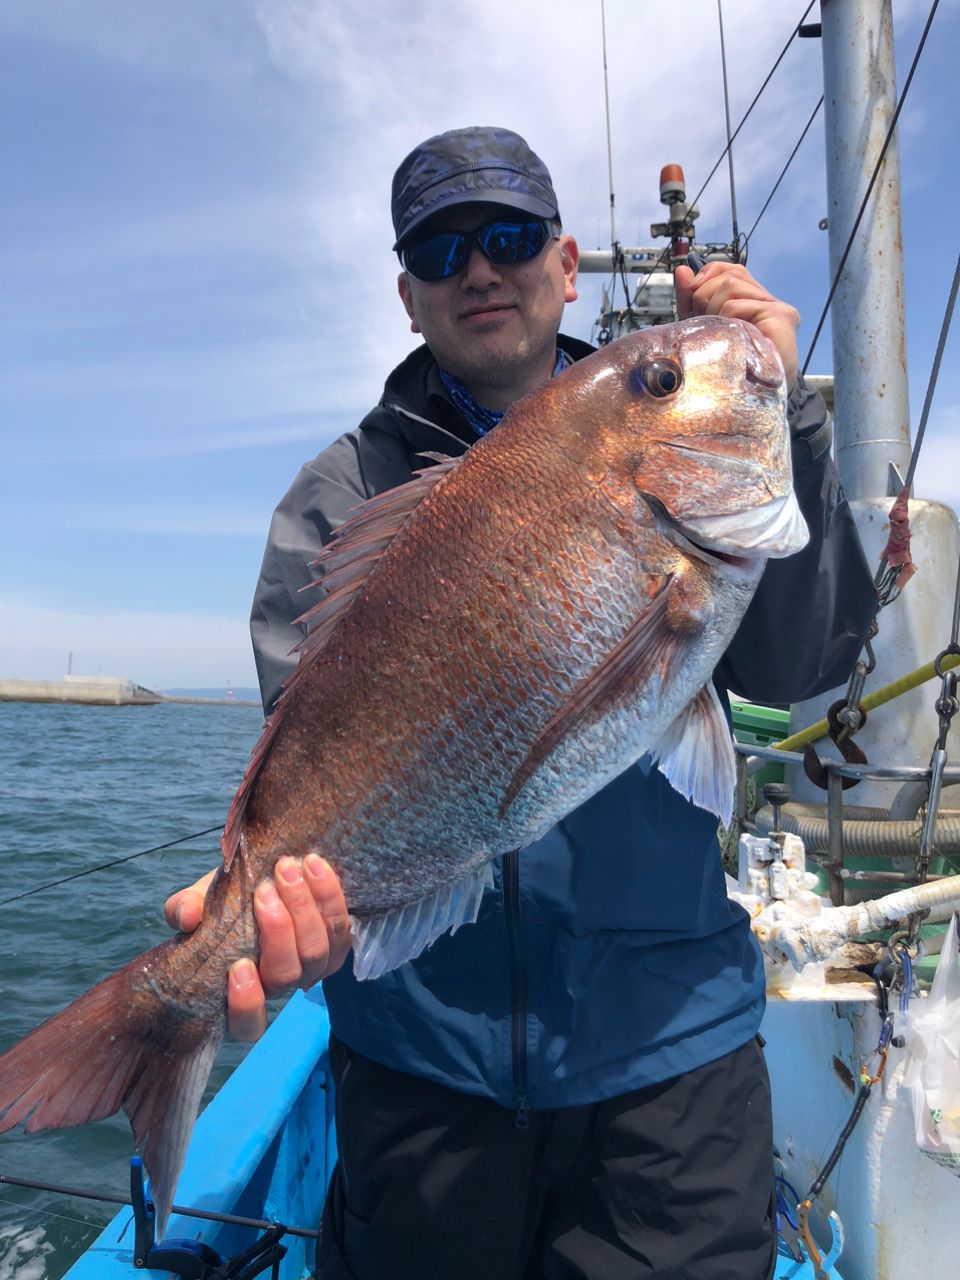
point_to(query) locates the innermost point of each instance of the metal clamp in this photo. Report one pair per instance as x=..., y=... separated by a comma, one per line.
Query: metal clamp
x=191, y=1259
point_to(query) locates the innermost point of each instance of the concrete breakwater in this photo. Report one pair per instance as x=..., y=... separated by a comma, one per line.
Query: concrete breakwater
x=98, y=691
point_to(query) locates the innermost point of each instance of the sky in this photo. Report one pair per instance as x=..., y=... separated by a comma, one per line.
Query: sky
x=198, y=291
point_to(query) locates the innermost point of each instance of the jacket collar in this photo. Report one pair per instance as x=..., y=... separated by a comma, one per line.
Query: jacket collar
x=422, y=411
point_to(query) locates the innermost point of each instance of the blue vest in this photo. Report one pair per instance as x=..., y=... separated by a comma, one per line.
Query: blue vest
x=607, y=958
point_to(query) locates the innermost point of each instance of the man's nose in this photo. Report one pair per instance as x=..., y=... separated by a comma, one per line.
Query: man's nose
x=479, y=272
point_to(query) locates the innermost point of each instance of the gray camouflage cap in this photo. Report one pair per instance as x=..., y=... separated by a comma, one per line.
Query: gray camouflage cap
x=465, y=166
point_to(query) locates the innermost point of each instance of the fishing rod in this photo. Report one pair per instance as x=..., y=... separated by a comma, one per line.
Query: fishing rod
x=114, y=862
x=187, y=1258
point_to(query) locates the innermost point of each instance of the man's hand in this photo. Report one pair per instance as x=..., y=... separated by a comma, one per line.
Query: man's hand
x=727, y=289
x=304, y=936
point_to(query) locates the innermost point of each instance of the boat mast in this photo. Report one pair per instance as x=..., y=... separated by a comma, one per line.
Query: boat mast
x=872, y=422
x=872, y=413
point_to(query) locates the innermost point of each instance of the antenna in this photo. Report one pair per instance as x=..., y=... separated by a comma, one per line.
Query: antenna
x=606, y=103
x=726, y=108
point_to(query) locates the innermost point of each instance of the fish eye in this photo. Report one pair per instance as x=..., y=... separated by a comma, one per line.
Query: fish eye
x=660, y=377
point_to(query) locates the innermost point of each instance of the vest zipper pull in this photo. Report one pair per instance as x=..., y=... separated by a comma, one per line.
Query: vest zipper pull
x=522, y=1120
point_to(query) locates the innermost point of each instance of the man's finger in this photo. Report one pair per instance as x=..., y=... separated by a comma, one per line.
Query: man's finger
x=328, y=894
x=280, y=967
x=184, y=910
x=246, y=1007
x=309, y=927
x=683, y=279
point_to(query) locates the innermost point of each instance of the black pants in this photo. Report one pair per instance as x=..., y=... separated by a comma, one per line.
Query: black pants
x=673, y=1182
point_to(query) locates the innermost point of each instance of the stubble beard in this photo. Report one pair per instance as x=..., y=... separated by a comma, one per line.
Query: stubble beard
x=506, y=369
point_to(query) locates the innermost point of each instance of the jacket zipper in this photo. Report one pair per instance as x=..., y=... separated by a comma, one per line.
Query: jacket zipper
x=518, y=985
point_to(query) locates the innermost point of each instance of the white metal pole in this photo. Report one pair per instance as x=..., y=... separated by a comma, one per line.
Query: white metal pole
x=869, y=350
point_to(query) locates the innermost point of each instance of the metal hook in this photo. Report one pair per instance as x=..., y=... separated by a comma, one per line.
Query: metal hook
x=841, y=735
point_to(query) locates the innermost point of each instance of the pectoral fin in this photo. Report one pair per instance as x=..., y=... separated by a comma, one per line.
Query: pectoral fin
x=696, y=754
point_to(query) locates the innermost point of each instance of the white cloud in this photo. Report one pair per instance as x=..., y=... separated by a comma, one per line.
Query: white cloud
x=158, y=650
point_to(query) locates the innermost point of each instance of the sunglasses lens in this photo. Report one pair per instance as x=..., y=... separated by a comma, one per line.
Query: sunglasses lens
x=505, y=242
x=445, y=254
x=440, y=256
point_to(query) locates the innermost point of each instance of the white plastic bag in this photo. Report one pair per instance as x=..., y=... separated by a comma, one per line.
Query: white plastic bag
x=933, y=1067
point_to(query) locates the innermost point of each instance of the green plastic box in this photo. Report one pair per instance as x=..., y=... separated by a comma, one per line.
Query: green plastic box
x=758, y=726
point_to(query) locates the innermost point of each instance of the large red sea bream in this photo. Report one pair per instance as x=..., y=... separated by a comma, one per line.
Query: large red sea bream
x=499, y=639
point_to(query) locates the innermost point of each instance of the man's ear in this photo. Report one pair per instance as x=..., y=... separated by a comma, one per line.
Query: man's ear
x=406, y=297
x=570, y=257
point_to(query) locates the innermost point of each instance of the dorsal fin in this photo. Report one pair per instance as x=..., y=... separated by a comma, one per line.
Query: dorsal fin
x=352, y=552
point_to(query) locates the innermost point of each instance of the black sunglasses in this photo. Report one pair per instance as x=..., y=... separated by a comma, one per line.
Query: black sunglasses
x=503, y=241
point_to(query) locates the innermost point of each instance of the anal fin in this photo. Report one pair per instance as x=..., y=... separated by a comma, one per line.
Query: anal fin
x=385, y=942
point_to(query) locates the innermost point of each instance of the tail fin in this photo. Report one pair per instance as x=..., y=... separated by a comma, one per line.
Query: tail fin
x=108, y=1050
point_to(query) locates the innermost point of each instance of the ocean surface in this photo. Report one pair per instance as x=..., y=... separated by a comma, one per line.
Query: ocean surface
x=79, y=786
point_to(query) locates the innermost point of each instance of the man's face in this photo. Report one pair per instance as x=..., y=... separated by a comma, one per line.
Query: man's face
x=494, y=327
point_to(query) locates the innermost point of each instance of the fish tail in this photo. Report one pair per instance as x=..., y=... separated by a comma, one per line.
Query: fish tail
x=120, y=1045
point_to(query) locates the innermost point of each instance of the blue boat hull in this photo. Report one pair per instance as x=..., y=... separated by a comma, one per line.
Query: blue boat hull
x=264, y=1148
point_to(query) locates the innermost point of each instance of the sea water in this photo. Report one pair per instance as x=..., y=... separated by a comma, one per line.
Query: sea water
x=80, y=786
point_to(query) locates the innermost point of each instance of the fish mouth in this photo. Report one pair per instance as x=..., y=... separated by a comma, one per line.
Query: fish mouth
x=773, y=530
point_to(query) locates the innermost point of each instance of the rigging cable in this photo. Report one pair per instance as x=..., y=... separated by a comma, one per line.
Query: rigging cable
x=726, y=110
x=114, y=862
x=934, y=373
x=606, y=104
x=872, y=183
x=746, y=115
x=886, y=579
x=783, y=172
x=867, y=1082
x=615, y=249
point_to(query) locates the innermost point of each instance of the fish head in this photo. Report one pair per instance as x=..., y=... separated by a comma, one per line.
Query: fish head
x=694, y=422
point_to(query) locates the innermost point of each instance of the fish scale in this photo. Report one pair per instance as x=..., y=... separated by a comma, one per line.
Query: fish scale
x=497, y=640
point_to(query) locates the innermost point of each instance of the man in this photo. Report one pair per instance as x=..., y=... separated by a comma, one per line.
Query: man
x=572, y=1086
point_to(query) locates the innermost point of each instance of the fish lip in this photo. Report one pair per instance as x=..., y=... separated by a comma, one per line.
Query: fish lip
x=740, y=563
x=777, y=529
x=776, y=538
x=745, y=564
x=759, y=379
x=763, y=365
